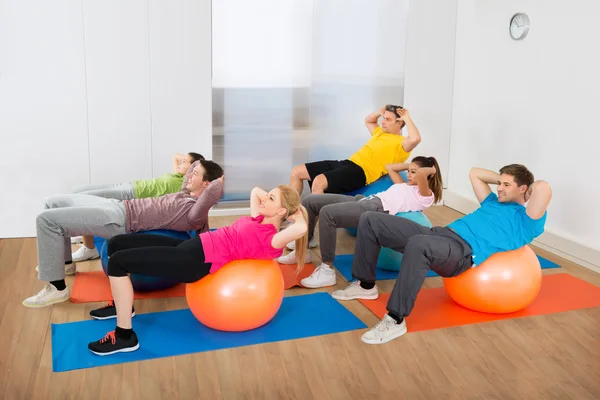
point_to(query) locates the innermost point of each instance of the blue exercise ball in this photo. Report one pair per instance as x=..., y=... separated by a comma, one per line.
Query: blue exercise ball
x=390, y=259
x=142, y=283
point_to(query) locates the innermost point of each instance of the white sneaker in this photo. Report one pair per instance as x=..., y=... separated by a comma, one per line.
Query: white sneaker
x=387, y=329
x=76, y=239
x=354, y=291
x=70, y=269
x=291, y=258
x=84, y=254
x=323, y=276
x=47, y=296
x=311, y=245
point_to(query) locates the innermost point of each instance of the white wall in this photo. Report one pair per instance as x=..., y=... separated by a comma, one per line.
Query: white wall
x=118, y=85
x=97, y=92
x=181, y=88
x=429, y=82
x=43, y=121
x=533, y=102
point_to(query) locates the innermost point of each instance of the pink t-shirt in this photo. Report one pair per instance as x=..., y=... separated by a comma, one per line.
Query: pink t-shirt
x=246, y=238
x=401, y=197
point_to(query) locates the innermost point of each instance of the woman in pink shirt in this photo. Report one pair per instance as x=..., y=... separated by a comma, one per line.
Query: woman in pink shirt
x=256, y=236
x=423, y=189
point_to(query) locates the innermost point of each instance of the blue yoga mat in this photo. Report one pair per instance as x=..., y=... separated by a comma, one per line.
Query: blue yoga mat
x=173, y=333
x=343, y=263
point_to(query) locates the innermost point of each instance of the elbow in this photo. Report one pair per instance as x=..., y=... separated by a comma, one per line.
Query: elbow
x=544, y=187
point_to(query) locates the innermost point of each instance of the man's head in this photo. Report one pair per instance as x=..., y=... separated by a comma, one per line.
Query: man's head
x=515, y=180
x=204, y=173
x=389, y=123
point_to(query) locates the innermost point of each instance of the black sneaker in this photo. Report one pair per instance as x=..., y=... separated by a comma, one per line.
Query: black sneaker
x=107, y=312
x=111, y=344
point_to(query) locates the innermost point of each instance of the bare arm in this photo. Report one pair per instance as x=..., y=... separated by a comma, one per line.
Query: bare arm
x=176, y=159
x=414, y=136
x=255, y=195
x=209, y=197
x=394, y=170
x=291, y=233
x=186, y=178
x=481, y=179
x=371, y=119
x=538, y=197
x=422, y=182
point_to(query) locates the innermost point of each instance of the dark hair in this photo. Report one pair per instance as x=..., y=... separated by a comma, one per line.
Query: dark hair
x=394, y=109
x=212, y=170
x=520, y=173
x=435, y=181
x=196, y=157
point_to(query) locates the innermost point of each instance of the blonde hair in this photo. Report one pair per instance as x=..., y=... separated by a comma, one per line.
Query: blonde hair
x=290, y=200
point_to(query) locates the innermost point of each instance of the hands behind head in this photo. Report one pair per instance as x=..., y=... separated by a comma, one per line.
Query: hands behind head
x=403, y=113
x=296, y=216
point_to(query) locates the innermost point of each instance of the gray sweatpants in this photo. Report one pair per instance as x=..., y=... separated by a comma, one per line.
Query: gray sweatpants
x=439, y=249
x=73, y=215
x=336, y=211
x=119, y=191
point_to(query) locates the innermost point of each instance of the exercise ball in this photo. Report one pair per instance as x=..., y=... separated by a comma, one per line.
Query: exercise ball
x=504, y=283
x=240, y=296
x=389, y=259
x=142, y=283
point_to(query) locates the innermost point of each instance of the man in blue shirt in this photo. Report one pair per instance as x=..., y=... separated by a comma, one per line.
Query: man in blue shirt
x=501, y=223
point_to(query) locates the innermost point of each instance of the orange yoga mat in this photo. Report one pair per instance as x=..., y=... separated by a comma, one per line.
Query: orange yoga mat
x=434, y=309
x=89, y=287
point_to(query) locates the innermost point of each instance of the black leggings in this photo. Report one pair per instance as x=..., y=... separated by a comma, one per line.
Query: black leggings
x=156, y=255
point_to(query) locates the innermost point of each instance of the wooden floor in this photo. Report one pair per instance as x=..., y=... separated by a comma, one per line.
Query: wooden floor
x=546, y=357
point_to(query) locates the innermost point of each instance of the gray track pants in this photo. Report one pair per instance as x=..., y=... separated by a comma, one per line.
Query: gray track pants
x=73, y=215
x=119, y=191
x=439, y=249
x=335, y=211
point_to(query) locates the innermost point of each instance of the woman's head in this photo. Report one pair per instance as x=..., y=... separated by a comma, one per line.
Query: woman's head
x=190, y=158
x=283, y=202
x=434, y=180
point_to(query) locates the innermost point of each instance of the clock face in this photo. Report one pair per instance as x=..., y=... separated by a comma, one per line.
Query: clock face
x=519, y=26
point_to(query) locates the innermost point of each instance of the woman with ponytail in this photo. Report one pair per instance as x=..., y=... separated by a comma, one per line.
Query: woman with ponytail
x=422, y=190
x=256, y=236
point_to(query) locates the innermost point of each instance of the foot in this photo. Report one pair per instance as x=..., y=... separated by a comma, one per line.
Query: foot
x=311, y=245
x=47, y=296
x=107, y=312
x=387, y=329
x=291, y=258
x=354, y=291
x=76, y=239
x=70, y=269
x=323, y=276
x=84, y=254
x=111, y=344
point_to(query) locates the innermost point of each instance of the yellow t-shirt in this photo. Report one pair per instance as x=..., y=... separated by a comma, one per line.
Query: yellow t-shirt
x=380, y=150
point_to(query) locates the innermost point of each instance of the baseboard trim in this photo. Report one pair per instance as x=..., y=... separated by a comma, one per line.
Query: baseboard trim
x=549, y=241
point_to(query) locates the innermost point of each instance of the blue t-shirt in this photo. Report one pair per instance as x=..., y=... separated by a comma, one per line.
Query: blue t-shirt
x=496, y=227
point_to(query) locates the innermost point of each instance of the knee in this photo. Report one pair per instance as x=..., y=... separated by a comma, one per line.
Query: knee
x=319, y=183
x=43, y=218
x=113, y=245
x=328, y=212
x=116, y=265
x=297, y=171
x=310, y=201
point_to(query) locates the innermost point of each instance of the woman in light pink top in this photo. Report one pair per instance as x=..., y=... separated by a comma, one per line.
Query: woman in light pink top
x=257, y=236
x=423, y=189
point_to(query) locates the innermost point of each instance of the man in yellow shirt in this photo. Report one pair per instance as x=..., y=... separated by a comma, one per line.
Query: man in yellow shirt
x=386, y=146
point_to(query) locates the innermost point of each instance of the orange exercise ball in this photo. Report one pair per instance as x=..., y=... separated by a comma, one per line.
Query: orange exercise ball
x=241, y=295
x=504, y=283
